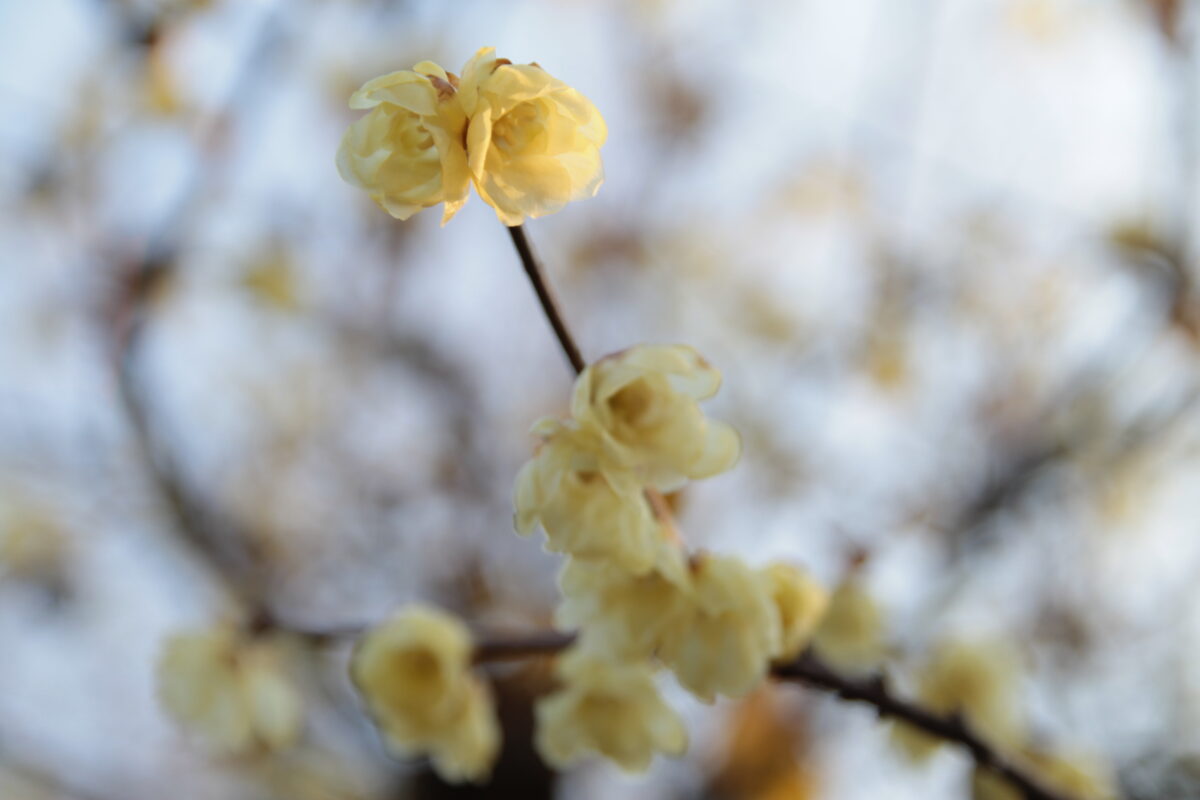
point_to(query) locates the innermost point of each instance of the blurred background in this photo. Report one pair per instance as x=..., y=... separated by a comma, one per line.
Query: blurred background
x=944, y=253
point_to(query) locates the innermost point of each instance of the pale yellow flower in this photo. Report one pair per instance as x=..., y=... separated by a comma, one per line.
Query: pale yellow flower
x=730, y=633
x=414, y=672
x=408, y=152
x=622, y=613
x=642, y=405
x=533, y=143
x=609, y=707
x=586, y=512
x=801, y=602
x=850, y=636
x=232, y=691
x=976, y=680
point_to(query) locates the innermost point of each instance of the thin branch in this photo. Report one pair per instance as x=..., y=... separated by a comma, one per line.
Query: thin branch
x=546, y=298
x=812, y=672
x=509, y=649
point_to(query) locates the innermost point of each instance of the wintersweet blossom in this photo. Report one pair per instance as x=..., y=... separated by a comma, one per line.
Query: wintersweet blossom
x=642, y=404
x=533, y=143
x=801, y=602
x=408, y=152
x=586, y=512
x=731, y=631
x=232, y=691
x=850, y=636
x=976, y=679
x=414, y=672
x=609, y=707
x=622, y=613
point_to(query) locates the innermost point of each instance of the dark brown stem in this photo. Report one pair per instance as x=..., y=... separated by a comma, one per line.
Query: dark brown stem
x=538, y=644
x=873, y=690
x=534, y=270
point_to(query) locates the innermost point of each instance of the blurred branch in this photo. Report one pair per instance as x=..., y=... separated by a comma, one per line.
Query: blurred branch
x=810, y=671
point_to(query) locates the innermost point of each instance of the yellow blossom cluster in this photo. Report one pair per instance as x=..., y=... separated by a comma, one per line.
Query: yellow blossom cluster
x=528, y=142
x=638, y=600
x=232, y=690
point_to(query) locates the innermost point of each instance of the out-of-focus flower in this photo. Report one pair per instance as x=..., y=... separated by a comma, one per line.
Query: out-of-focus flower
x=533, y=143
x=621, y=613
x=642, y=405
x=1078, y=777
x=801, y=602
x=414, y=672
x=408, y=153
x=850, y=636
x=586, y=512
x=731, y=631
x=975, y=679
x=608, y=707
x=233, y=691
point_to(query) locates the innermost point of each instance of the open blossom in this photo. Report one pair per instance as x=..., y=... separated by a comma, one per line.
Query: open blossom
x=622, y=613
x=609, y=707
x=234, y=692
x=414, y=673
x=801, y=602
x=533, y=143
x=642, y=404
x=586, y=512
x=408, y=152
x=730, y=633
x=976, y=680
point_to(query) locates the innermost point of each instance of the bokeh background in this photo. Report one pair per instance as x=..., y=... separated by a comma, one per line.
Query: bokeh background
x=944, y=253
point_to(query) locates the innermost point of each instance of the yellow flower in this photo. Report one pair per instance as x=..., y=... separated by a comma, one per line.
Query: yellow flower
x=232, y=691
x=731, y=631
x=850, y=636
x=801, y=602
x=414, y=673
x=533, y=143
x=975, y=679
x=586, y=512
x=608, y=707
x=642, y=405
x=408, y=151
x=621, y=613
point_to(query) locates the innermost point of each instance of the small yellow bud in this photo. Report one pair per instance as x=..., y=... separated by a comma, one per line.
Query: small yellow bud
x=801, y=602
x=975, y=679
x=408, y=151
x=731, y=631
x=414, y=672
x=533, y=142
x=1076, y=777
x=850, y=636
x=607, y=707
x=586, y=512
x=641, y=404
x=233, y=692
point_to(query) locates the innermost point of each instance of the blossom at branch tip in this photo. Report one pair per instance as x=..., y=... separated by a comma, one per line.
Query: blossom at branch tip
x=533, y=143
x=801, y=601
x=642, y=405
x=730, y=632
x=976, y=679
x=586, y=512
x=609, y=707
x=234, y=692
x=408, y=152
x=414, y=673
